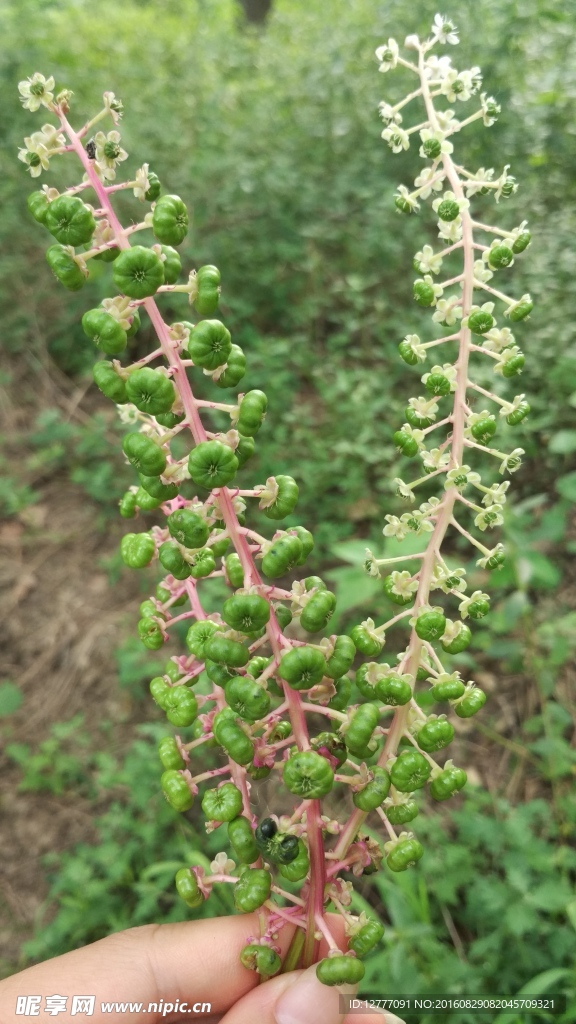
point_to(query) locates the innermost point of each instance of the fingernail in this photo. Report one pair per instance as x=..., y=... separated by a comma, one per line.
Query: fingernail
x=308, y=1001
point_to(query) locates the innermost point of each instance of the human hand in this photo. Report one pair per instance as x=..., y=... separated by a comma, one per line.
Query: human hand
x=177, y=968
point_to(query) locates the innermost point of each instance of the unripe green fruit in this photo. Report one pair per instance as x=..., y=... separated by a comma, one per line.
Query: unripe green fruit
x=430, y=625
x=500, y=256
x=483, y=430
x=223, y=803
x=137, y=550
x=404, y=855
x=234, y=570
x=110, y=383
x=144, y=454
x=106, y=333
x=150, y=391
x=513, y=366
x=188, y=528
x=318, y=611
x=286, y=499
x=519, y=413
x=405, y=444
x=480, y=322
x=437, y=384
x=247, y=698
x=399, y=814
x=460, y=641
x=171, y=263
x=241, y=836
x=282, y=556
x=169, y=754
x=212, y=464
x=69, y=220
x=448, y=210
x=170, y=220
x=367, y=937
x=209, y=344
x=361, y=727
x=392, y=595
x=375, y=792
x=435, y=734
x=521, y=242
x=365, y=642
x=450, y=781
x=308, y=775
x=410, y=771
x=342, y=657
x=252, y=412
x=176, y=791
x=246, y=612
x=302, y=667
x=261, y=959
x=235, y=369
x=423, y=293
x=393, y=691
x=187, y=888
x=471, y=703
x=340, y=970
x=407, y=353
x=252, y=889
x=64, y=266
x=138, y=272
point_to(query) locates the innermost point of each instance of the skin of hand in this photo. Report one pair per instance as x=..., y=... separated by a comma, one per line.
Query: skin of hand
x=190, y=962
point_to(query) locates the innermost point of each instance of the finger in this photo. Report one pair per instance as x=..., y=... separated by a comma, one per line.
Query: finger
x=192, y=962
x=299, y=998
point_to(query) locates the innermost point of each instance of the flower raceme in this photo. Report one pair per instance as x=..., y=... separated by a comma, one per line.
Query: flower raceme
x=264, y=688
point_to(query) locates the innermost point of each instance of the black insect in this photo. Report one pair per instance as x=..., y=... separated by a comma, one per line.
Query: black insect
x=91, y=149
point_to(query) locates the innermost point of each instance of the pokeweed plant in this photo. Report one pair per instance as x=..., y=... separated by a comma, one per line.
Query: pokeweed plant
x=268, y=688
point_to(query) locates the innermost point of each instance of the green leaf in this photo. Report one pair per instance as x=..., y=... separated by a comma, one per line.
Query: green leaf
x=566, y=486
x=563, y=442
x=10, y=698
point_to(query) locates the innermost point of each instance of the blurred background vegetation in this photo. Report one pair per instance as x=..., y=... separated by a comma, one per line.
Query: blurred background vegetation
x=263, y=117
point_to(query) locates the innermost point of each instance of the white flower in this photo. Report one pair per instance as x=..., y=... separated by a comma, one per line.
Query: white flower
x=506, y=356
x=486, y=307
x=512, y=462
x=460, y=477
x=407, y=197
x=512, y=406
x=501, y=182
x=498, y=338
x=436, y=68
x=113, y=106
x=481, y=271
x=434, y=135
x=388, y=114
x=35, y=156
x=448, y=579
x=467, y=601
x=108, y=153
x=490, y=517
x=490, y=109
x=269, y=493
x=395, y=528
x=496, y=494
x=447, y=311
x=413, y=432
x=403, y=584
x=387, y=55
x=119, y=308
x=447, y=122
x=416, y=347
x=425, y=408
x=461, y=85
x=450, y=231
x=426, y=185
x=404, y=490
x=370, y=565
x=498, y=550
x=481, y=177
x=396, y=138
x=142, y=183
x=417, y=523
x=36, y=92
x=427, y=262
x=222, y=864
x=444, y=30
x=435, y=459
x=511, y=238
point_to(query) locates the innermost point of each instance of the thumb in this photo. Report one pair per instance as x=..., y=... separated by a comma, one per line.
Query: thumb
x=297, y=998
